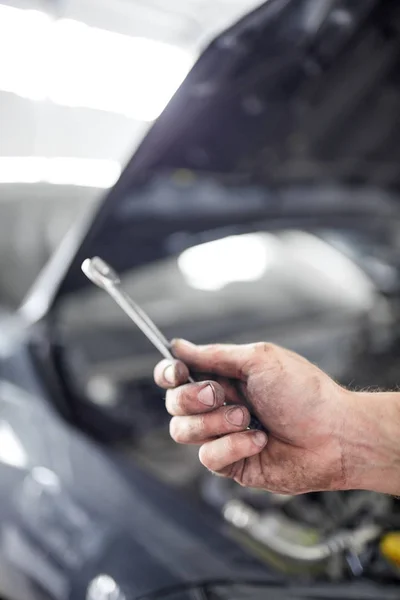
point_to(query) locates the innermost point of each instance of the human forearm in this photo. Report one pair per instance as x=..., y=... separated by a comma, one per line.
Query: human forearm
x=371, y=441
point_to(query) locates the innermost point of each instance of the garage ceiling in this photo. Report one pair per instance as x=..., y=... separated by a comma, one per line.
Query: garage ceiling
x=48, y=129
x=37, y=136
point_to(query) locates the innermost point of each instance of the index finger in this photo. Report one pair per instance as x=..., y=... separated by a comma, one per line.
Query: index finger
x=228, y=360
x=169, y=374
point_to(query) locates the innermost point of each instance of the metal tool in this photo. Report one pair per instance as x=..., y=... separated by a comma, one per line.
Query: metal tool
x=104, y=276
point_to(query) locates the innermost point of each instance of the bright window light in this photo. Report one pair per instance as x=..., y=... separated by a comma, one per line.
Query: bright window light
x=12, y=452
x=237, y=258
x=75, y=65
x=84, y=172
x=24, y=38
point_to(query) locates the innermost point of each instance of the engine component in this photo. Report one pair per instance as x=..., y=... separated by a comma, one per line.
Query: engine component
x=390, y=547
x=271, y=529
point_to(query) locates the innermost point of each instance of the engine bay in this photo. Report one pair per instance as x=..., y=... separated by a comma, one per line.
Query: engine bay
x=332, y=536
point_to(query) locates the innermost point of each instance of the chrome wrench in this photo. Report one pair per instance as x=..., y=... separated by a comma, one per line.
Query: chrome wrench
x=104, y=276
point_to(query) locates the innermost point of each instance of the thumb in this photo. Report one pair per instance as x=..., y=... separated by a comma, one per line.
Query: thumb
x=227, y=360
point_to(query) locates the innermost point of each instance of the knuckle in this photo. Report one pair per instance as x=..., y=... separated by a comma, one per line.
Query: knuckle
x=228, y=445
x=171, y=403
x=202, y=423
x=181, y=400
x=260, y=351
x=206, y=457
x=273, y=481
x=177, y=432
x=265, y=348
x=198, y=427
x=242, y=445
x=187, y=430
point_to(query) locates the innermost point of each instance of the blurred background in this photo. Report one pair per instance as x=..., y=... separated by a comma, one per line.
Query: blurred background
x=80, y=83
x=276, y=217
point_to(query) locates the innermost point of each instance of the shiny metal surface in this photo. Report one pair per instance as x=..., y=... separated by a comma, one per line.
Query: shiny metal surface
x=104, y=276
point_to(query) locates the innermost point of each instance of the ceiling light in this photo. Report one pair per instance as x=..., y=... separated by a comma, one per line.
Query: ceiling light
x=75, y=65
x=238, y=258
x=83, y=172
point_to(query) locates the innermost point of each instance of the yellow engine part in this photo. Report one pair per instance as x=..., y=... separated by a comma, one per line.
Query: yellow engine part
x=390, y=547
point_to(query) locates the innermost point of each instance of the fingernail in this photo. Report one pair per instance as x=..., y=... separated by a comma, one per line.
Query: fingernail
x=206, y=396
x=169, y=374
x=235, y=416
x=260, y=439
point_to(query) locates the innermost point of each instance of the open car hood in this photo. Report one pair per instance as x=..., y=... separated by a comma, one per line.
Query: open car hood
x=291, y=115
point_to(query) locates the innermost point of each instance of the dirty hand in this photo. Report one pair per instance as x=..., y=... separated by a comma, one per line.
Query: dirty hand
x=320, y=436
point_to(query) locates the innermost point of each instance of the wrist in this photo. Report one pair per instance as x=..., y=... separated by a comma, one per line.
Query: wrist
x=371, y=441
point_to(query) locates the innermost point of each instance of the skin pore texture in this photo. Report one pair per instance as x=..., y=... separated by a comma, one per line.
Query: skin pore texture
x=320, y=435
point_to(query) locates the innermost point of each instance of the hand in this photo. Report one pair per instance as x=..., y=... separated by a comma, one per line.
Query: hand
x=303, y=409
